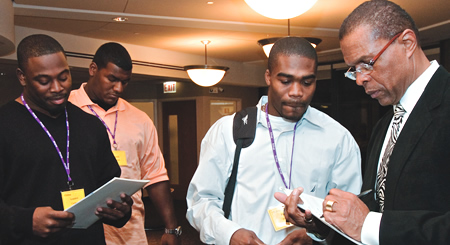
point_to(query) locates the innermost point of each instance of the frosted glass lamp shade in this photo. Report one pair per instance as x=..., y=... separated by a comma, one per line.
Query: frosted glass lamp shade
x=267, y=43
x=205, y=75
x=281, y=9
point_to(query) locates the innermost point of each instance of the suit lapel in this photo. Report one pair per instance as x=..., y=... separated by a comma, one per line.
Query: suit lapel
x=410, y=135
x=414, y=128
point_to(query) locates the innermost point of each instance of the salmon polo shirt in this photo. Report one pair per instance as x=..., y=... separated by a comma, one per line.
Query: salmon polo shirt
x=136, y=135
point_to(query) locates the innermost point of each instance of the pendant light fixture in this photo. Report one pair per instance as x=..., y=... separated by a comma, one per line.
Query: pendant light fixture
x=206, y=75
x=280, y=9
x=267, y=43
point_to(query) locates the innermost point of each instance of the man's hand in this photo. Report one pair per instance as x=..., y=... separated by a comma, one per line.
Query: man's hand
x=348, y=212
x=115, y=210
x=47, y=221
x=292, y=213
x=299, y=217
x=170, y=239
x=245, y=237
x=297, y=237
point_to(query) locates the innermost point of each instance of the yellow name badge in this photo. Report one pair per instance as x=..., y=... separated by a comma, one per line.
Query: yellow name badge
x=278, y=220
x=121, y=157
x=71, y=197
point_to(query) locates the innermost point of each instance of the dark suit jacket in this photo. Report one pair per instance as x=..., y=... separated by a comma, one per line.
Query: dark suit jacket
x=417, y=195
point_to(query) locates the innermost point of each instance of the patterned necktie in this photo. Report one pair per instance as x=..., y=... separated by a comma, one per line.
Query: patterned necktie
x=382, y=171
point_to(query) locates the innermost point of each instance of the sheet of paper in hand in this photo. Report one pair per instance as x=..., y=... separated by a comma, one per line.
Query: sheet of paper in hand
x=315, y=205
x=84, y=210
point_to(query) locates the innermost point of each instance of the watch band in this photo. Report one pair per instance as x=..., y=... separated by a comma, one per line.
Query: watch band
x=177, y=231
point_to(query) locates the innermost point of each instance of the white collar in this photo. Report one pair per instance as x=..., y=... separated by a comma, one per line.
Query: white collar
x=416, y=89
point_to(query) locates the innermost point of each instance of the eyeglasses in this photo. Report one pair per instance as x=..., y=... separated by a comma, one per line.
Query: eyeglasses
x=367, y=68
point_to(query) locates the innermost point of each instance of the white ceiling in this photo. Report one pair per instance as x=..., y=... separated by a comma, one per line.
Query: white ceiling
x=232, y=27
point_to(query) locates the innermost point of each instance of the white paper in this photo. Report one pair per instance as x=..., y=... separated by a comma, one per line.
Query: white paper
x=315, y=205
x=84, y=210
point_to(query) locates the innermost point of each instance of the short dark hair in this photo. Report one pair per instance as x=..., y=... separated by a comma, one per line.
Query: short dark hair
x=114, y=53
x=291, y=46
x=386, y=19
x=35, y=46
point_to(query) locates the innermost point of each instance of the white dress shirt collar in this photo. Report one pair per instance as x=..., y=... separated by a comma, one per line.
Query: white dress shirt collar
x=416, y=89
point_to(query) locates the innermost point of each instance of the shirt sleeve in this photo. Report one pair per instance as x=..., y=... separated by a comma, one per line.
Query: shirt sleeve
x=15, y=222
x=152, y=163
x=371, y=228
x=346, y=174
x=206, y=190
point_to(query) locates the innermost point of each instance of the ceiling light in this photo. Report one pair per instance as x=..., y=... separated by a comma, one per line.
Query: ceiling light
x=267, y=43
x=281, y=9
x=120, y=19
x=206, y=75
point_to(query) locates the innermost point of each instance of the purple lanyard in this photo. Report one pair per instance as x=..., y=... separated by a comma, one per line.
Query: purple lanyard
x=65, y=163
x=113, y=135
x=274, y=150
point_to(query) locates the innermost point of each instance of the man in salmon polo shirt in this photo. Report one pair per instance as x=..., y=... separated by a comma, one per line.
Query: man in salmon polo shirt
x=133, y=139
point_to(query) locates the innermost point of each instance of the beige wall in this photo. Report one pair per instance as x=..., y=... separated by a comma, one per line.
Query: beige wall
x=242, y=74
x=142, y=91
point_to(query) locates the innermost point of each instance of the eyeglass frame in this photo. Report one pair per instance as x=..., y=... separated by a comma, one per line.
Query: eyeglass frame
x=367, y=68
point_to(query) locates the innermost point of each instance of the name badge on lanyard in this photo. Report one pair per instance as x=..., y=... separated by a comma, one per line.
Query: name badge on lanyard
x=277, y=216
x=277, y=213
x=71, y=197
x=121, y=156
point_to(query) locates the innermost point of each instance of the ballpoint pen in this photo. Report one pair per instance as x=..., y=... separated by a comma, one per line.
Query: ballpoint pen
x=364, y=193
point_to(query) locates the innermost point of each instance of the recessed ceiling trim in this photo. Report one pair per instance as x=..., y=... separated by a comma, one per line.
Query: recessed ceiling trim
x=329, y=51
x=135, y=62
x=435, y=25
x=104, y=16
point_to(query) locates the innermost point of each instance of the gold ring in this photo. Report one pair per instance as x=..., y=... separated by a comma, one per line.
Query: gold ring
x=329, y=205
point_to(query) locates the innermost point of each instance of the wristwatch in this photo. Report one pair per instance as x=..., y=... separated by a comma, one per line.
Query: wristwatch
x=177, y=231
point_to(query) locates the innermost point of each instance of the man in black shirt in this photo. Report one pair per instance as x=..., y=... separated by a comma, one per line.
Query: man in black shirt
x=35, y=166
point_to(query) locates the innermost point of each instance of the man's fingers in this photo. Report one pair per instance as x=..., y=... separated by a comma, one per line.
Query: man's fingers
x=281, y=197
x=62, y=215
x=123, y=207
x=109, y=213
x=126, y=199
x=47, y=221
x=308, y=216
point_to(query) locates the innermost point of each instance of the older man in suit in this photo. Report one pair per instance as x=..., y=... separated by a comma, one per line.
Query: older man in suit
x=408, y=161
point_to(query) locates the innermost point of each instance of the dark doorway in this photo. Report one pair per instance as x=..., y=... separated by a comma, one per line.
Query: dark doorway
x=180, y=144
